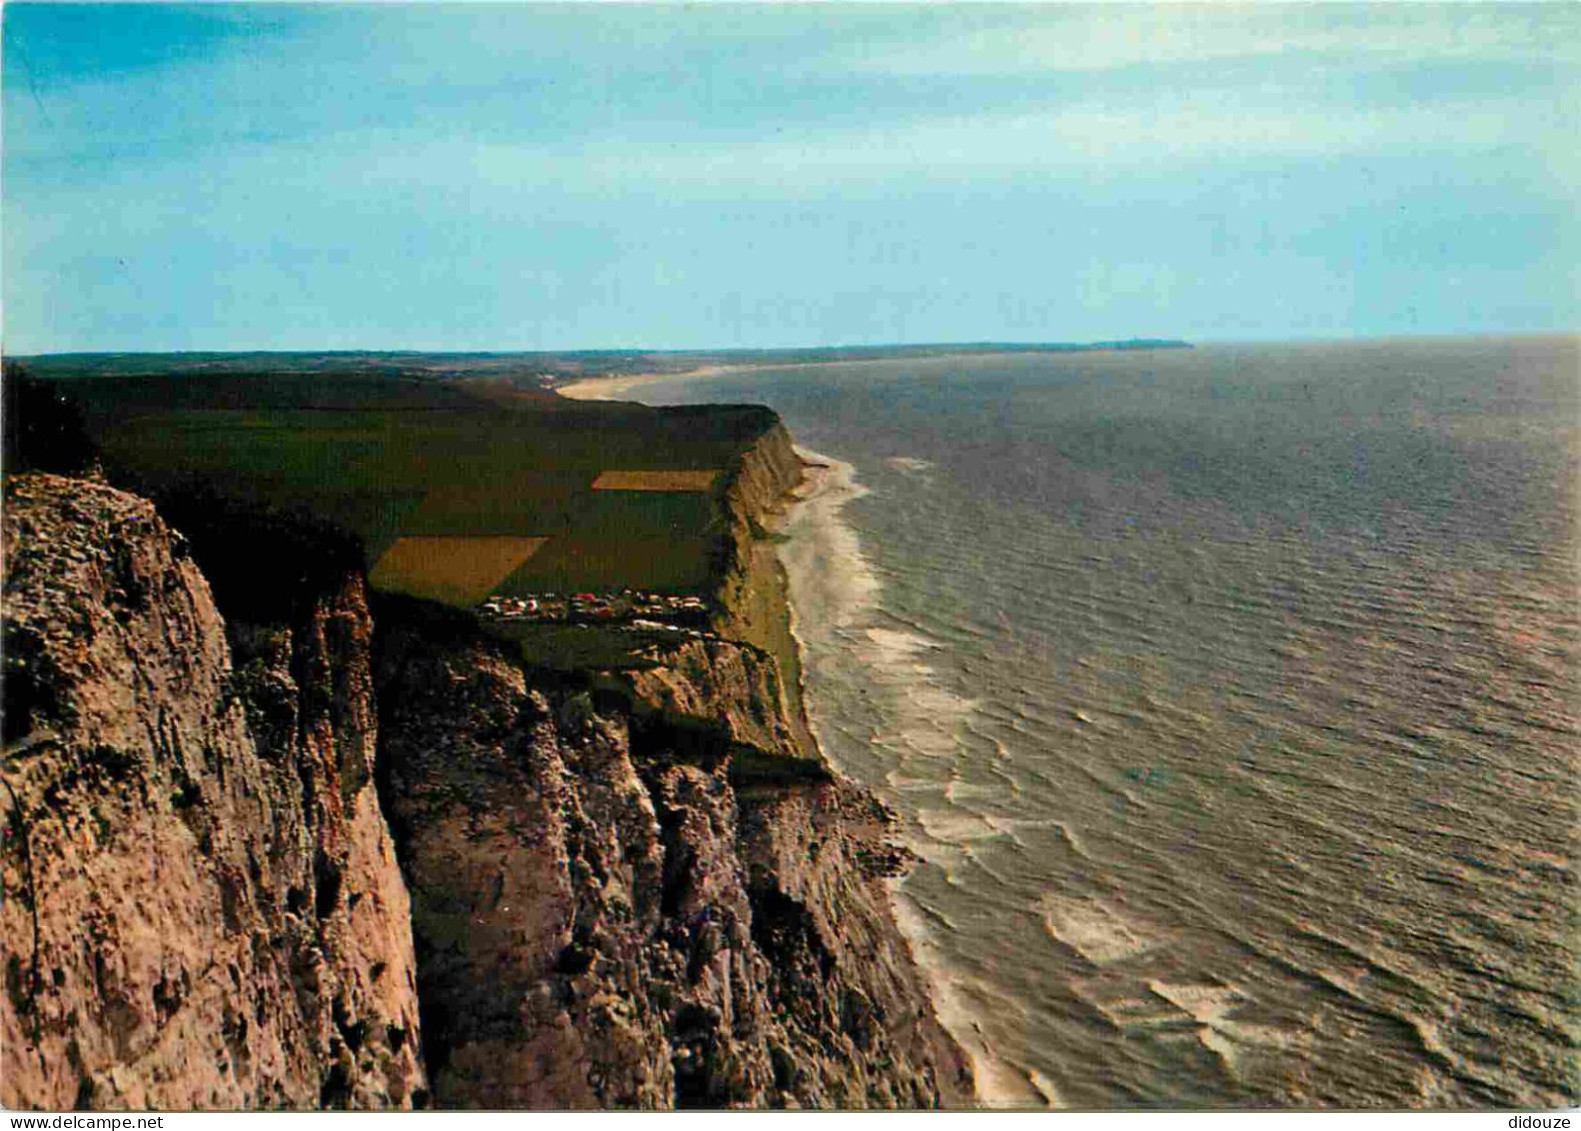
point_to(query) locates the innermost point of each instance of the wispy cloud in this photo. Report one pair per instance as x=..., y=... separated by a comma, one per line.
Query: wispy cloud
x=1182, y=130
x=1088, y=38
x=689, y=173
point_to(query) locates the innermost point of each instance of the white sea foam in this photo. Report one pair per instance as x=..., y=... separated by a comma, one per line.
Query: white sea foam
x=1208, y=1005
x=958, y=792
x=832, y=582
x=999, y=1085
x=1212, y=1007
x=834, y=594
x=1093, y=929
x=929, y=717
x=891, y=646
x=955, y=827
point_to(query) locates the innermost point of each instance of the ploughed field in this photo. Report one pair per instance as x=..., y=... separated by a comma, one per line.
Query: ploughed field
x=450, y=490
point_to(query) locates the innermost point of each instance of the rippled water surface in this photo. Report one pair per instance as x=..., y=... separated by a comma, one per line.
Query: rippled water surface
x=1229, y=696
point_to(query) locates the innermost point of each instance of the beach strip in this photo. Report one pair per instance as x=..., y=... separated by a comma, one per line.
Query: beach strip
x=615, y=388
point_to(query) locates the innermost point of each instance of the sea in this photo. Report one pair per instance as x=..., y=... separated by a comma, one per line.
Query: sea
x=1228, y=696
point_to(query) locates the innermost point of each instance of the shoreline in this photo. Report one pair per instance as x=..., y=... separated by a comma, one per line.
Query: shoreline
x=817, y=472
x=832, y=482
x=612, y=388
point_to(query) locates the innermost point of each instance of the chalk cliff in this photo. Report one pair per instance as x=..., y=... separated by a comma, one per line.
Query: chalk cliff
x=377, y=860
x=623, y=900
x=203, y=907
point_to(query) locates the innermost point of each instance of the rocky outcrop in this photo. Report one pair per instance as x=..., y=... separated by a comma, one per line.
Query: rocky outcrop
x=610, y=914
x=727, y=687
x=203, y=904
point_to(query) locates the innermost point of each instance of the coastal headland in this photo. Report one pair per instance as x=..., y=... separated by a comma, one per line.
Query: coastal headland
x=384, y=739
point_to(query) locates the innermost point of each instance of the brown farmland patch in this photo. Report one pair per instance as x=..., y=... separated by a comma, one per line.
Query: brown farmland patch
x=519, y=504
x=655, y=480
x=460, y=571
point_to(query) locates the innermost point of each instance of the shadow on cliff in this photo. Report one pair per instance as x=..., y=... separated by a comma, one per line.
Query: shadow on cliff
x=44, y=429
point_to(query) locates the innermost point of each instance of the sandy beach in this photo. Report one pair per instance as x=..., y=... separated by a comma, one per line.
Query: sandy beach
x=616, y=388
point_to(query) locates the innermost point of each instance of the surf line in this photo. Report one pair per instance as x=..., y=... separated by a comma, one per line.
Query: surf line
x=832, y=586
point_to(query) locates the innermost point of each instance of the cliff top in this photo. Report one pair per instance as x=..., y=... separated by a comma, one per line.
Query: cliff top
x=451, y=490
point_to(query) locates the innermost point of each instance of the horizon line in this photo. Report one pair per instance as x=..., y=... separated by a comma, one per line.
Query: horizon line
x=1030, y=346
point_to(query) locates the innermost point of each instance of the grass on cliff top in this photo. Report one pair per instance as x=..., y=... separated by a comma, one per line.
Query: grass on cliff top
x=437, y=463
x=575, y=648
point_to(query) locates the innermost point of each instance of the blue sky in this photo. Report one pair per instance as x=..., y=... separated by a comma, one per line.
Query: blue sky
x=504, y=176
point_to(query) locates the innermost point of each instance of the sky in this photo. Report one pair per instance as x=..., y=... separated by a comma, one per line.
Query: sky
x=496, y=176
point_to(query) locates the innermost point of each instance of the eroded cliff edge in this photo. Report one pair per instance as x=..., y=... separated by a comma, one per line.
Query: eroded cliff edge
x=637, y=888
x=203, y=907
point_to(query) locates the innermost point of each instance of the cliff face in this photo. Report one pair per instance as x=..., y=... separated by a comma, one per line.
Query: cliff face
x=610, y=911
x=637, y=889
x=652, y=891
x=756, y=491
x=203, y=905
x=752, y=600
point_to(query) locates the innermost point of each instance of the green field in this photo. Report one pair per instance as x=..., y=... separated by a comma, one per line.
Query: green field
x=437, y=464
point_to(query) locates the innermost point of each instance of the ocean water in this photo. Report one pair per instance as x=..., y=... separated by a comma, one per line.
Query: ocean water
x=1230, y=698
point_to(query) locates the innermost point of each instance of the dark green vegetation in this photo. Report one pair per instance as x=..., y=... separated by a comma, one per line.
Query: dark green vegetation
x=577, y=647
x=44, y=429
x=363, y=457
